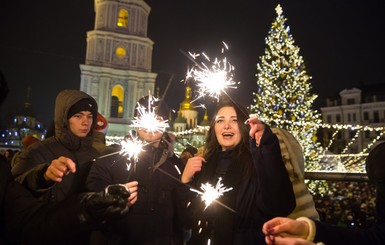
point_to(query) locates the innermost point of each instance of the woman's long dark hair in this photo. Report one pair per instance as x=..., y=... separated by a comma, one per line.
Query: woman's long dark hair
x=212, y=144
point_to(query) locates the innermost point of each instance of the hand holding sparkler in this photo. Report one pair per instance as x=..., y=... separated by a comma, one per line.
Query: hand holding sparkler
x=132, y=188
x=193, y=165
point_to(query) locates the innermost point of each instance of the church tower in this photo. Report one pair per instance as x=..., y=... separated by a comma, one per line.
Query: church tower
x=117, y=70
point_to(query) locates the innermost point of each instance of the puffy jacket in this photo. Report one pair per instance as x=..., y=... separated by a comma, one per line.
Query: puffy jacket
x=34, y=161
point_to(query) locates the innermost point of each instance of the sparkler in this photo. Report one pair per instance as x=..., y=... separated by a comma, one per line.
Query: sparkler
x=212, y=79
x=147, y=118
x=210, y=193
x=131, y=147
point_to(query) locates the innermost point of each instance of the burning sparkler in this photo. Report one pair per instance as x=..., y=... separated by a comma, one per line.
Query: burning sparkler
x=131, y=147
x=212, y=79
x=148, y=119
x=211, y=193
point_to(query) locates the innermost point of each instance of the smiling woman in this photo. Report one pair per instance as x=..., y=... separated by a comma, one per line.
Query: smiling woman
x=254, y=175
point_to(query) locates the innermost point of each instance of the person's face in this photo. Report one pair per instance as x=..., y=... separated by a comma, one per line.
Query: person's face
x=81, y=123
x=226, y=128
x=148, y=136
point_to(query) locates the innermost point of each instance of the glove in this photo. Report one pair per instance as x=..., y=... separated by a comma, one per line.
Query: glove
x=375, y=167
x=106, y=205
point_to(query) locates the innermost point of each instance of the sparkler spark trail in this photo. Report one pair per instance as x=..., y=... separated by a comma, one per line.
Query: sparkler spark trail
x=148, y=119
x=212, y=79
x=131, y=147
x=211, y=193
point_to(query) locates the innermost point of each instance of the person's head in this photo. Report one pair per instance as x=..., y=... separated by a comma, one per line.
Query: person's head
x=75, y=115
x=227, y=129
x=81, y=117
x=8, y=154
x=160, y=108
x=187, y=153
x=375, y=167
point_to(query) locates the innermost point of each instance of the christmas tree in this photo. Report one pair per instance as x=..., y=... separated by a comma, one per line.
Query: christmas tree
x=283, y=97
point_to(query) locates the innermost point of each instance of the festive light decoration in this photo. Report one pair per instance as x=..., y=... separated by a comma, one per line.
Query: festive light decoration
x=211, y=77
x=283, y=92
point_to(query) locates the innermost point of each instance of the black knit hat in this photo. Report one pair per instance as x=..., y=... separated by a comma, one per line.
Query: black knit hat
x=85, y=104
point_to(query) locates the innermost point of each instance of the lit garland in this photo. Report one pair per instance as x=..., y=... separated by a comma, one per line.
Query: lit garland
x=331, y=141
x=351, y=141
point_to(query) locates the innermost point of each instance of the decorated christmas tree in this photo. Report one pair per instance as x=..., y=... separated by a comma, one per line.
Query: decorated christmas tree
x=283, y=97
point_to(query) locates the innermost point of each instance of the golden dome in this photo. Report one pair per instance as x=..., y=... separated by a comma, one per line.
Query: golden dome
x=186, y=104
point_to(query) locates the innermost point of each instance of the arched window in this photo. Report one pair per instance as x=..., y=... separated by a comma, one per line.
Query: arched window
x=120, y=52
x=122, y=18
x=117, y=98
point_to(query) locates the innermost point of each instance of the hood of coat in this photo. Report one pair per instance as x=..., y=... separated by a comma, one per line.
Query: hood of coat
x=64, y=101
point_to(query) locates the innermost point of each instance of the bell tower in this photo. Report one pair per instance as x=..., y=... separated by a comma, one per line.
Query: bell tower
x=117, y=69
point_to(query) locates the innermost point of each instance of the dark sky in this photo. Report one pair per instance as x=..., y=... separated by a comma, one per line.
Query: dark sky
x=43, y=42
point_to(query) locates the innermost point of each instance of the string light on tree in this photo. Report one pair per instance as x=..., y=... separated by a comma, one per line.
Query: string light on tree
x=283, y=92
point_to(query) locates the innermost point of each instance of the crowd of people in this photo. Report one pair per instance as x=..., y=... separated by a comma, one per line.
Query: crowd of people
x=65, y=190
x=347, y=204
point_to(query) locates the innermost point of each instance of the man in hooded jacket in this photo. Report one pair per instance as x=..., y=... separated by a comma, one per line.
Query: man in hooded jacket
x=24, y=219
x=57, y=167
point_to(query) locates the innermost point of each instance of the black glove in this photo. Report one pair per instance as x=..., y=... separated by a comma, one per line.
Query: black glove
x=106, y=205
x=375, y=167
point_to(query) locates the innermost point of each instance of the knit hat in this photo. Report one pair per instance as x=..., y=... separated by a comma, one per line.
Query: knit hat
x=85, y=104
x=191, y=149
x=101, y=124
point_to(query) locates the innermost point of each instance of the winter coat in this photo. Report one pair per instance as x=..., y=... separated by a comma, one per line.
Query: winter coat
x=24, y=219
x=255, y=198
x=153, y=218
x=34, y=161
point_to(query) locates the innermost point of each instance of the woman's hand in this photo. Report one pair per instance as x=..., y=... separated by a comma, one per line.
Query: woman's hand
x=193, y=165
x=279, y=227
x=256, y=129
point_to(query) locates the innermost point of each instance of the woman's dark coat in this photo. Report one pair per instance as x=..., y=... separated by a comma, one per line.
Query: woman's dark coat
x=255, y=198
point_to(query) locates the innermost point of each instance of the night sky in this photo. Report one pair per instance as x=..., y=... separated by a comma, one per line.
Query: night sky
x=43, y=42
